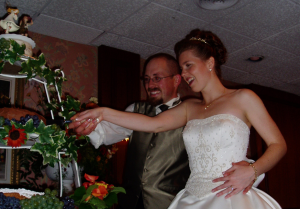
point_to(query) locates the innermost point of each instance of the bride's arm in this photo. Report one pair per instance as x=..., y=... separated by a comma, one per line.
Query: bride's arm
x=257, y=115
x=168, y=120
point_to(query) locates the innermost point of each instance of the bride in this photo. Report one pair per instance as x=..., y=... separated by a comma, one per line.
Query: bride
x=216, y=131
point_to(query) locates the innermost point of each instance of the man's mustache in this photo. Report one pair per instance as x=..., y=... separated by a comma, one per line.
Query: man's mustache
x=153, y=89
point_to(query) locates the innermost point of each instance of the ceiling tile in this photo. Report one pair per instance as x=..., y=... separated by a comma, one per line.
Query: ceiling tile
x=33, y=5
x=231, y=74
x=256, y=79
x=232, y=41
x=257, y=22
x=296, y=82
x=272, y=56
x=287, y=40
x=126, y=44
x=157, y=25
x=64, y=30
x=286, y=71
x=190, y=8
x=97, y=14
x=167, y=51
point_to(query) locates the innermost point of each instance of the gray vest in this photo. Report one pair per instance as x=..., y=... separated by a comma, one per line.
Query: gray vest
x=156, y=166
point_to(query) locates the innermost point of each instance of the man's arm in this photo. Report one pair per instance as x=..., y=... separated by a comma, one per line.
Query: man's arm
x=105, y=132
x=108, y=133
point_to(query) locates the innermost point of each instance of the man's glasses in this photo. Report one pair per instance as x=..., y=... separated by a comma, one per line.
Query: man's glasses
x=155, y=79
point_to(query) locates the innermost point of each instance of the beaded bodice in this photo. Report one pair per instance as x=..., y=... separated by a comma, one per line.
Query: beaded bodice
x=212, y=145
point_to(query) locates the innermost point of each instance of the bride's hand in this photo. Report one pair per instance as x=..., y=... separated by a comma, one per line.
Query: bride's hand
x=236, y=179
x=85, y=122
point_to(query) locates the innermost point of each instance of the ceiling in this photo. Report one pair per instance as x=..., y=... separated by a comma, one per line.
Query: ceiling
x=270, y=28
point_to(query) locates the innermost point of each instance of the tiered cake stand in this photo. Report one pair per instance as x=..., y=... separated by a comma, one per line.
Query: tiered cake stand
x=30, y=44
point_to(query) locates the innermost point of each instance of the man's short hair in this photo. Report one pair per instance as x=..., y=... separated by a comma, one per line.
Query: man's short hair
x=171, y=61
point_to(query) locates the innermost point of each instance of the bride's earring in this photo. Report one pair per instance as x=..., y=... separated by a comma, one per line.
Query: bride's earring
x=210, y=69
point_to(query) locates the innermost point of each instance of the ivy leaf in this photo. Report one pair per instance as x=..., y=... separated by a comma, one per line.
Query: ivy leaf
x=50, y=160
x=29, y=126
x=52, y=150
x=60, y=138
x=3, y=134
x=38, y=147
x=45, y=133
x=27, y=69
x=11, y=57
x=71, y=103
x=17, y=125
x=50, y=77
x=17, y=48
x=66, y=161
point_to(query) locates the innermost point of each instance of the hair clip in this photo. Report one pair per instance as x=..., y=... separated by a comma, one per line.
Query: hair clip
x=198, y=39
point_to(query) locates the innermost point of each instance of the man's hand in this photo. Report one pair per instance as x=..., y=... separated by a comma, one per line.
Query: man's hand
x=83, y=127
x=236, y=179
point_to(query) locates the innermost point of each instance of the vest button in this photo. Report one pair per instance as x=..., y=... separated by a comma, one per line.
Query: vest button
x=152, y=145
x=148, y=157
x=145, y=170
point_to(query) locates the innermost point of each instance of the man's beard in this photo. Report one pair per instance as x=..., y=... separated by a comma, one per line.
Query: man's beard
x=153, y=100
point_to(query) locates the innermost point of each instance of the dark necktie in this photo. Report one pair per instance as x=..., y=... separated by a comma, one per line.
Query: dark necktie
x=163, y=107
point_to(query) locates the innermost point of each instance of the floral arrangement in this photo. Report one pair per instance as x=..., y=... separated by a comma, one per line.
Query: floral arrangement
x=96, y=195
x=96, y=161
x=48, y=139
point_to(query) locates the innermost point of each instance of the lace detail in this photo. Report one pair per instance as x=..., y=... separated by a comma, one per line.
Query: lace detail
x=212, y=145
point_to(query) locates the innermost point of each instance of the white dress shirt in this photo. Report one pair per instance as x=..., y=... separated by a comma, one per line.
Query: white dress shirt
x=108, y=133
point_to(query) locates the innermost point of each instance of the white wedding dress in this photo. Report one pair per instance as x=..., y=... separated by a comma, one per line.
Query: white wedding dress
x=212, y=145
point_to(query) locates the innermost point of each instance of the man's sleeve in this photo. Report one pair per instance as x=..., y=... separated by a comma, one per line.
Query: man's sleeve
x=108, y=133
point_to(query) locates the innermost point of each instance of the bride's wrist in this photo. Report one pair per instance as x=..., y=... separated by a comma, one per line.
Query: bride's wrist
x=255, y=171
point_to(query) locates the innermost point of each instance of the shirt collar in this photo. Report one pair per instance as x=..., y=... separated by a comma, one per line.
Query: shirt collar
x=169, y=103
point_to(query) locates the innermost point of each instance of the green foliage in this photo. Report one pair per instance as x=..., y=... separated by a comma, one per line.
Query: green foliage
x=50, y=140
x=4, y=44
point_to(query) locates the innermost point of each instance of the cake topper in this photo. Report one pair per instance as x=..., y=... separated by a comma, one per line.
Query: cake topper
x=8, y=24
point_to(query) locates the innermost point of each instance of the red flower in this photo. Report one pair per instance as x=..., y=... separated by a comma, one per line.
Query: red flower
x=90, y=177
x=87, y=184
x=15, y=137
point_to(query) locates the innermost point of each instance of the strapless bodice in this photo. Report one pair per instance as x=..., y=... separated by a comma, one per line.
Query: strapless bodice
x=212, y=145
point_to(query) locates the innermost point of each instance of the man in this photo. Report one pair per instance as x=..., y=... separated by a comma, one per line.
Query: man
x=156, y=164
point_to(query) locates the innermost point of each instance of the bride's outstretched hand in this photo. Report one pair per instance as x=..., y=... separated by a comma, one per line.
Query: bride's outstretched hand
x=85, y=122
x=236, y=179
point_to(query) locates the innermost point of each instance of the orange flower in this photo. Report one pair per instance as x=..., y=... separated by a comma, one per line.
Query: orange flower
x=101, y=191
x=15, y=137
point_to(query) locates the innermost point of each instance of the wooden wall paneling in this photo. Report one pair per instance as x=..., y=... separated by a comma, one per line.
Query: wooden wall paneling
x=282, y=182
x=118, y=87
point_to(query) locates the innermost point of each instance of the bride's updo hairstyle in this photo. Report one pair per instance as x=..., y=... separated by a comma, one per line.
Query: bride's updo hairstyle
x=205, y=44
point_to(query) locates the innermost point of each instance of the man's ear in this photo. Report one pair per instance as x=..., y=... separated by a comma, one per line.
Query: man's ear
x=177, y=79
